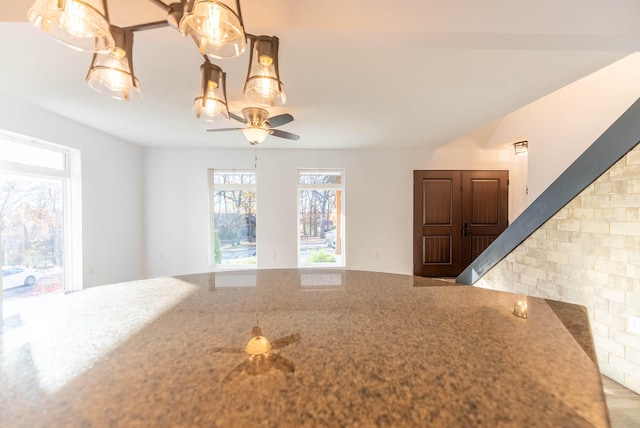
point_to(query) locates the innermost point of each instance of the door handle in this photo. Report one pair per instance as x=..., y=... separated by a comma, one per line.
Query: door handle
x=465, y=231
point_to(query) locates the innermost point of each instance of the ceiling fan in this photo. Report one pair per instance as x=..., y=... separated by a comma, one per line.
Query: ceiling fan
x=260, y=125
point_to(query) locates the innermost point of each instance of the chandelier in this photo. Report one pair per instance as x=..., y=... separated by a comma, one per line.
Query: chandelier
x=216, y=27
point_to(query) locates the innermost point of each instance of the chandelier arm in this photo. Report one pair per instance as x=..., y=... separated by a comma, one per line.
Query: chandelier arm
x=106, y=10
x=276, y=44
x=147, y=26
x=161, y=5
x=239, y=13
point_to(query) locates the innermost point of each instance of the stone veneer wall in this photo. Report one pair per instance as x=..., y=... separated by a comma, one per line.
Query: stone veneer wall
x=588, y=253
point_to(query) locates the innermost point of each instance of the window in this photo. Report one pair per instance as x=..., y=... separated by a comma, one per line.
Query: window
x=40, y=194
x=33, y=154
x=321, y=218
x=233, y=223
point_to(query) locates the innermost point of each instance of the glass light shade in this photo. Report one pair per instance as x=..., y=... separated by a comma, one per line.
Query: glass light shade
x=255, y=135
x=258, y=345
x=215, y=28
x=521, y=147
x=212, y=102
x=263, y=83
x=112, y=73
x=82, y=25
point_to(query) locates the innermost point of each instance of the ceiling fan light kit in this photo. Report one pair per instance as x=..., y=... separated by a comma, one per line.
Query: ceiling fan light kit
x=260, y=125
x=216, y=27
x=255, y=135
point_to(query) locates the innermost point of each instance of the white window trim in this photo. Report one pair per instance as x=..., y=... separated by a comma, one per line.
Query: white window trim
x=212, y=243
x=72, y=200
x=306, y=186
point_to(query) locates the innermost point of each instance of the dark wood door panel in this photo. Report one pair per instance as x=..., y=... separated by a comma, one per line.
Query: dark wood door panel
x=436, y=202
x=436, y=223
x=479, y=244
x=457, y=214
x=436, y=250
x=484, y=202
x=485, y=196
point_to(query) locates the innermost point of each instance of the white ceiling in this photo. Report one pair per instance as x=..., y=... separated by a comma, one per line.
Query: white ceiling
x=357, y=73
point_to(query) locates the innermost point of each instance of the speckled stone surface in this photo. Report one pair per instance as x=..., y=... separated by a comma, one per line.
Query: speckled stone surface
x=373, y=349
x=573, y=317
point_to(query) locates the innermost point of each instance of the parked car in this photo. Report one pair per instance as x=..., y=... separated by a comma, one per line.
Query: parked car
x=330, y=238
x=17, y=276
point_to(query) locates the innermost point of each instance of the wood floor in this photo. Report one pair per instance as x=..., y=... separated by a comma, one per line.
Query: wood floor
x=623, y=404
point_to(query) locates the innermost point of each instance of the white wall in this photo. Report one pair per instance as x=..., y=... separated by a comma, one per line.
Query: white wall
x=112, y=190
x=378, y=201
x=170, y=213
x=563, y=124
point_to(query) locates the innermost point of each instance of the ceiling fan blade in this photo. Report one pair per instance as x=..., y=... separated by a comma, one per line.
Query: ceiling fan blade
x=279, y=120
x=284, y=134
x=285, y=341
x=236, y=117
x=224, y=129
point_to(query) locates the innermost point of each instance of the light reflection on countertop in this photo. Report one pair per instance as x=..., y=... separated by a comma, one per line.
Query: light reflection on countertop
x=47, y=336
x=321, y=281
x=380, y=350
x=232, y=280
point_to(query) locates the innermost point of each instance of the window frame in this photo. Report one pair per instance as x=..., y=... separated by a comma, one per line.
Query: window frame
x=71, y=179
x=323, y=186
x=28, y=169
x=230, y=187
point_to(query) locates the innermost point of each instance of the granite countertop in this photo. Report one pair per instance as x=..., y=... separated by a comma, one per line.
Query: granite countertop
x=348, y=348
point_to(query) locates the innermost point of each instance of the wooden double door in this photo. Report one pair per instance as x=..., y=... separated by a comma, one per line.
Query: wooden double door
x=457, y=214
